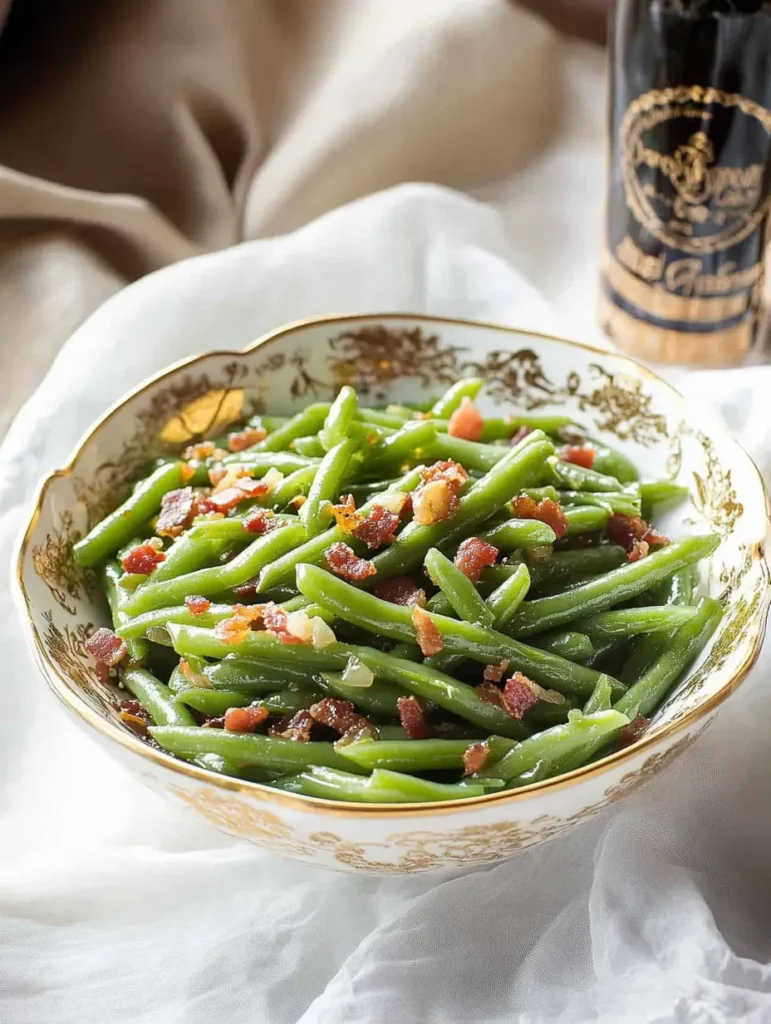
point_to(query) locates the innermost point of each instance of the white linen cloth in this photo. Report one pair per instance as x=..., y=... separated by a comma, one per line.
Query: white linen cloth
x=116, y=906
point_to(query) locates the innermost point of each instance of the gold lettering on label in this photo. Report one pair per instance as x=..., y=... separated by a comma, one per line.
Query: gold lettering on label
x=650, y=268
x=684, y=277
x=681, y=276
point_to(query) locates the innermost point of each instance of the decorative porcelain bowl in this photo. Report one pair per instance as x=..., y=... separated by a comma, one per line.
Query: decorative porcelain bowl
x=401, y=358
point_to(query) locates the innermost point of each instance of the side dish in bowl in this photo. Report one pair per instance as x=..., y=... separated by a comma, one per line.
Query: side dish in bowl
x=396, y=593
x=396, y=604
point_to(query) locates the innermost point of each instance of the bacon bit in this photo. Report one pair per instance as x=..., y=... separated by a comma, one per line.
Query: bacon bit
x=400, y=590
x=297, y=728
x=631, y=733
x=579, y=455
x=245, y=719
x=466, y=421
x=377, y=528
x=177, y=511
x=285, y=627
x=132, y=707
x=197, y=679
x=475, y=758
x=298, y=501
x=546, y=511
x=137, y=724
x=105, y=647
x=248, y=589
x=455, y=475
x=346, y=516
x=473, y=556
x=142, y=559
x=103, y=673
x=201, y=450
x=187, y=472
x=412, y=717
x=634, y=535
x=428, y=636
x=518, y=695
x=214, y=723
x=489, y=693
x=494, y=673
x=520, y=435
x=262, y=520
x=434, y=502
x=343, y=561
x=340, y=715
x=197, y=605
x=237, y=628
x=232, y=490
x=240, y=440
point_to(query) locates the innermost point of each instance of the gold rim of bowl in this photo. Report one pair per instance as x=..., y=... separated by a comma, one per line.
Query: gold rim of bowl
x=65, y=690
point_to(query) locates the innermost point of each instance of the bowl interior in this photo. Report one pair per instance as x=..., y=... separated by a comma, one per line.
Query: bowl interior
x=401, y=358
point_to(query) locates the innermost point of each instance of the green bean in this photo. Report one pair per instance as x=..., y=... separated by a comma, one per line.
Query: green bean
x=684, y=647
x=248, y=749
x=467, y=387
x=586, y=519
x=567, y=644
x=203, y=643
x=615, y=587
x=537, y=773
x=497, y=429
x=254, y=675
x=326, y=487
x=297, y=483
x=558, y=742
x=203, y=544
x=115, y=529
x=214, y=579
x=111, y=575
x=159, y=701
x=656, y=492
x=406, y=755
x=514, y=471
x=282, y=570
x=625, y=622
x=622, y=503
x=505, y=599
x=159, y=618
x=341, y=414
x=382, y=418
x=601, y=697
x=602, y=648
x=472, y=455
x=309, y=421
x=518, y=533
x=310, y=447
x=457, y=588
x=614, y=463
x=216, y=702
x=677, y=590
x=367, y=490
x=382, y=787
x=411, y=652
x=475, y=642
x=258, y=463
x=578, y=478
x=217, y=764
x=563, y=566
x=377, y=699
x=404, y=445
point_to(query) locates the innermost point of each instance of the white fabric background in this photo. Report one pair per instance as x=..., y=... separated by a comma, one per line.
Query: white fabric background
x=118, y=907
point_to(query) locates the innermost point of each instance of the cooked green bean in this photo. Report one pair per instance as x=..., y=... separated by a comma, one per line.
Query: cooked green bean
x=601, y=697
x=567, y=644
x=326, y=487
x=406, y=755
x=382, y=787
x=116, y=596
x=659, y=492
x=216, y=702
x=586, y=518
x=505, y=599
x=450, y=401
x=458, y=589
x=622, y=503
x=406, y=444
x=625, y=622
x=159, y=701
x=562, y=566
x=341, y=414
x=518, y=533
x=578, y=478
x=309, y=421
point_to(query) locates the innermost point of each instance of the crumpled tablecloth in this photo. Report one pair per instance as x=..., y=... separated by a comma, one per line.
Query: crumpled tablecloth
x=118, y=907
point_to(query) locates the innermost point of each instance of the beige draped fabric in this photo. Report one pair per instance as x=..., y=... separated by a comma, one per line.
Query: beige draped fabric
x=136, y=134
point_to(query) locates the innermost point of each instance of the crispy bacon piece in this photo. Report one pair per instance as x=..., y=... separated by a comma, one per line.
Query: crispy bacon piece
x=196, y=604
x=489, y=693
x=142, y=559
x=378, y=527
x=346, y=516
x=433, y=502
x=198, y=452
x=343, y=561
x=227, y=495
x=240, y=440
x=262, y=520
x=412, y=717
x=105, y=647
x=466, y=421
x=400, y=590
x=631, y=733
x=341, y=715
x=475, y=758
x=275, y=620
x=297, y=728
x=237, y=628
x=245, y=719
x=455, y=475
x=518, y=695
x=136, y=721
x=494, y=673
x=634, y=535
x=473, y=556
x=579, y=455
x=520, y=435
x=177, y=511
x=132, y=707
x=546, y=511
x=428, y=636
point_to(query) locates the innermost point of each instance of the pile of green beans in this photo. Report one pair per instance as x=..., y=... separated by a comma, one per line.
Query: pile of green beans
x=597, y=638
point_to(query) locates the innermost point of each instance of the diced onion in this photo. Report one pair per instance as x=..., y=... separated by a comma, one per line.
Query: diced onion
x=356, y=673
x=321, y=634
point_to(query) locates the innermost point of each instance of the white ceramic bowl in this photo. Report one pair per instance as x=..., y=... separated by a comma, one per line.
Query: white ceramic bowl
x=395, y=358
